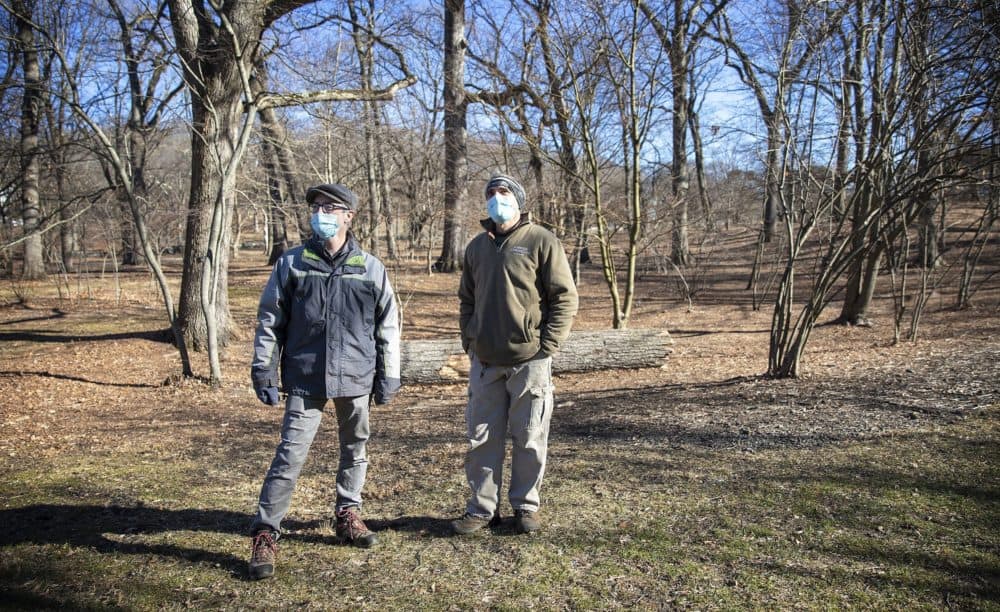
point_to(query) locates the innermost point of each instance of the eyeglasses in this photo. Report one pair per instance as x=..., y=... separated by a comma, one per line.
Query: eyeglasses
x=329, y=208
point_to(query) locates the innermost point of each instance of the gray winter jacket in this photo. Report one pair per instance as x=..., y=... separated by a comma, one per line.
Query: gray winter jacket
x=331, y=324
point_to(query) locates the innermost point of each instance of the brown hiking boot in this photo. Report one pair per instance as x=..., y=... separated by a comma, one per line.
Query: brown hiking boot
x=470, y=523
x=526, y=521
x=352, y=530
x=264, y=552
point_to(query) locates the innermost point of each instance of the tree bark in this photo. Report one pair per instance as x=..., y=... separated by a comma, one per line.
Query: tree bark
x=861, y=289
x=439, y=361
x=138, y=146
x=699, y=166
x=210, y=59
x=283, y=167
x=680, y=250
x=213, y=141
x=34, y=264
x=455, y=152
x=277, y=230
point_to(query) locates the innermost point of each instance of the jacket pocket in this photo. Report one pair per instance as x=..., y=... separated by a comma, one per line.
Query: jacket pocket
x=527, y=327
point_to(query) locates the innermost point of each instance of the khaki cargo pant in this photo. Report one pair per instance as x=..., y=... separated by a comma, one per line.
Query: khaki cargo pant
x=515, y=399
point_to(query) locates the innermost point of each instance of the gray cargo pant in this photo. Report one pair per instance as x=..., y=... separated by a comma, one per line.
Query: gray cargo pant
x=517, y=399
x=302, y=418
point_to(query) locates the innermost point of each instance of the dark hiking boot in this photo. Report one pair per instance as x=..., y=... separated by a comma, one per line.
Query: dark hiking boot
x=470, y=523
x=526, y=521
x=352, y=530
x=264, y=552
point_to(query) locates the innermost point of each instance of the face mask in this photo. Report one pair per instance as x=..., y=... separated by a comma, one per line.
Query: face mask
x=325, y=226
x=502, y=209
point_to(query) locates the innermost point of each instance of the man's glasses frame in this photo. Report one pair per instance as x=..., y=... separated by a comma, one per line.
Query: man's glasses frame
x=330, y=207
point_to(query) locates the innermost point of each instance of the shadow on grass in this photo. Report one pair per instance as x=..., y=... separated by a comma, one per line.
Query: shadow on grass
x=17, y=598
x=312, y=530
x=959, y=580
x=439, y=527
x=425, y=526
x=109, y=529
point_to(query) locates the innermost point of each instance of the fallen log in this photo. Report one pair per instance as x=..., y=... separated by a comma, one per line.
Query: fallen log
x=438, y=361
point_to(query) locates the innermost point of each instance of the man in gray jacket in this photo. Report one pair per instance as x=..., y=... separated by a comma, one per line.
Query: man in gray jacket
x=517, y=301
x=328, y=321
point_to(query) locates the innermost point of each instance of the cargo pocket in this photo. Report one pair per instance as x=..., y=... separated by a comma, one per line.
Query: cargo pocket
x=541, y=406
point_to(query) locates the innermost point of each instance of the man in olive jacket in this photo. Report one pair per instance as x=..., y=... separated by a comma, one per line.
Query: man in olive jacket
x=517, y=303
x=328, y=322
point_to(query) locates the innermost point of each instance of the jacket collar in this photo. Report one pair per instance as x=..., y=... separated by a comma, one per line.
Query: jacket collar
x=491, y=227
x=317, y=256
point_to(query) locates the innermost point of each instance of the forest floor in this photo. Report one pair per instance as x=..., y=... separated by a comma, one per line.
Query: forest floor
x=871, y=481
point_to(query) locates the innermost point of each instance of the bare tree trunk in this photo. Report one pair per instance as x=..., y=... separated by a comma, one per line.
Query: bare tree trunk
x=373, y=171
x=972, y=255
x=567, y=151
x=137, y=149
x=34, y=264
x=918, y=56
x=991, y=212
x=213, y=141
x=363, y=49
x=930, y=234
x=388, y=211
x=773, y=174
x=67, y=228
x=680, y=39
x=699, y=167
x=283, y=186
x=455, y=153
x=129, y=247
x=370, y=235
x=861, y=288
x=680, y=250
x=538, y=178
x=277, y=232
x=608, y=268
x=380, y=207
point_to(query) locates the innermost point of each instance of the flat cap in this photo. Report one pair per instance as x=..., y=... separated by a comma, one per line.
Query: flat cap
x=340, y=194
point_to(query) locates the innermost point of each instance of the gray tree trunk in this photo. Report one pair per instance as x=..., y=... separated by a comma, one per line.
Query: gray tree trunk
x=287, y=184
x=34, y=264
x=211, y=71
x=277, y=230
x=455, y=149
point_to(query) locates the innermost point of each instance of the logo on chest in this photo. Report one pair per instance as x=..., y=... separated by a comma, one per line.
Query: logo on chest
x=519, y=250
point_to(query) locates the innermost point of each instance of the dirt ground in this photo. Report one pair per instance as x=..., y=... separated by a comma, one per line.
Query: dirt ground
x=102, y=346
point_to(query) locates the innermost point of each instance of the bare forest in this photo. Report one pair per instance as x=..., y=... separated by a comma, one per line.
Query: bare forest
x=800, y=198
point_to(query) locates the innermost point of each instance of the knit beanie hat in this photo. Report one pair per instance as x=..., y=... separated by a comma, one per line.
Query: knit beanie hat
x=502, y=180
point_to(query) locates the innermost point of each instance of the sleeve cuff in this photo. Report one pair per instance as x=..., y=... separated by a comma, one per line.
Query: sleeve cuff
x=263, y=379
x=385, y=389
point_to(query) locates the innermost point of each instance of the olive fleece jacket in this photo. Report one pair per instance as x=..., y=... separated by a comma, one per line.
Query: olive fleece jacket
x=517, y=296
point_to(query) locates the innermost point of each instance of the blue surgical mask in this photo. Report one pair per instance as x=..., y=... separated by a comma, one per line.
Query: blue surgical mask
x=502, y=209
x=325, y=226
